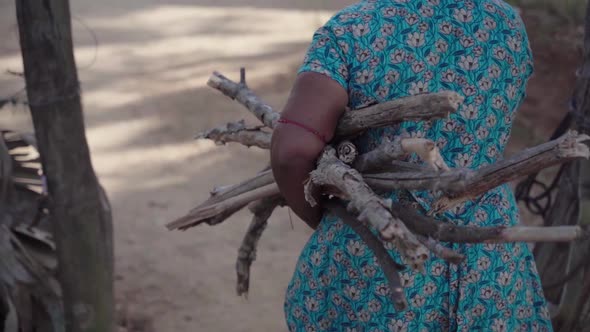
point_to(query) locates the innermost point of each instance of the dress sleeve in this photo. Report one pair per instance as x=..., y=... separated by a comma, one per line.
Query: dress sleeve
x=325, y=56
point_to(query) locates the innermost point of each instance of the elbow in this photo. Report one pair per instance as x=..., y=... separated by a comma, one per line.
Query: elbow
x=292, y=152
x=286, y=157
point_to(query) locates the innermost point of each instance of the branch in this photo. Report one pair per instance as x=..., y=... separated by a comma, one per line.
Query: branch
x=262, y=210
x=246, y=97
x=419, y=107
x=426, y=150
x=448, y=232
x=193, y=218
x=441, y=251
x=240, y=200
x=387, y=152
x=215, y=210
x=458, y=184
x=413, y=108
x=456, y=179
x=238, y=132
x=568, y=147
x=463, y=184
x=337, y=178
x=387, y=264
x=381, y=157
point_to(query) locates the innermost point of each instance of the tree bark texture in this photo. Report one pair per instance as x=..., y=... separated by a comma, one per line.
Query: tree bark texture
x=80, y=213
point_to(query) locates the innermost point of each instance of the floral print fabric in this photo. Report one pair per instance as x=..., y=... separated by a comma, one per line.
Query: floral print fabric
x=380, y=50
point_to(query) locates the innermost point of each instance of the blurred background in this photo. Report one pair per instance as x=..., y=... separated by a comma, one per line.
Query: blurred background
x=143, y=66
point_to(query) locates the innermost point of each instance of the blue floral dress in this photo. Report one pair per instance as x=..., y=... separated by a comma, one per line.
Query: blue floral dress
x=380, y=50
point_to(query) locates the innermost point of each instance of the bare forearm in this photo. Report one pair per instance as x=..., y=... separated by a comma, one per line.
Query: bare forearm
x=316, y=103
x=290, y=180
x=293, y=155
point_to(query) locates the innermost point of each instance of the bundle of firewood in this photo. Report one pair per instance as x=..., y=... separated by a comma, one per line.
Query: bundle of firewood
x=356, y=182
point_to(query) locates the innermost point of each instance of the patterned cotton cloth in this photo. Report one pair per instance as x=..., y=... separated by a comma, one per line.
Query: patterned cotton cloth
x=380, y=50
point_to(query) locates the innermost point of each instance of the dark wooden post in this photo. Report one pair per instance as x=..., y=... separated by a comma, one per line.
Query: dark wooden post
x=79, y=209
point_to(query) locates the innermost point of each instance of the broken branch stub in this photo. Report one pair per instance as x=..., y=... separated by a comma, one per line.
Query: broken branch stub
x=345, y=182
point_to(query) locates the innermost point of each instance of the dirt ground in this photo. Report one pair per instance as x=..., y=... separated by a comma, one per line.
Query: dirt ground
x=145, y=97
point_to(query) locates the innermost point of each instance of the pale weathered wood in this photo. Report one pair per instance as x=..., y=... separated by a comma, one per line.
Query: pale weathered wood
x=448, y=232
x=79, y=210
x=565, y=148
x=246, y=97
x=383, y=156
x=427, y=151
x=339, y=179
x=218, y=211
x=419, y=107
x=192, y=218
x=412, y=108
x=346, y=152
x=238, y=132
x=380, y=158
x=456, y=180
x=464, y=184
x=458, y=184
x=261, y=210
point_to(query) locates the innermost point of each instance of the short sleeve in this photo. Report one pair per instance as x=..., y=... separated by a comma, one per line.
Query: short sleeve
x=325, y=56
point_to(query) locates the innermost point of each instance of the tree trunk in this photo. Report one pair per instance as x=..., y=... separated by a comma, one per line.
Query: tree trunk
x=80, y=213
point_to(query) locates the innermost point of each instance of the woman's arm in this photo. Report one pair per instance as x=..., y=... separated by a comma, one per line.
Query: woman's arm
x=316, y=102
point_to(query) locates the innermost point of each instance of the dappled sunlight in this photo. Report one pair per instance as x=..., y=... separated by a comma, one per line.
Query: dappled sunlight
x=201, y=39
x=145, y=97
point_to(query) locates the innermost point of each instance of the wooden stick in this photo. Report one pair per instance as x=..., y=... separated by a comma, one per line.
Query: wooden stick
x=426, y=149
x=456, y=179
x=413, y=108
x=238, y=132
x=381, y=158
x=463, y=184
x=246, y=97
x=192, y=218
x=568, y=147
x=448, y=232
x=387, y=264
x=231, y=204
x=388, y=151
x=262, y=210
x=541, y=234
x=419, y=107
x=458, y=184
x=441, y=251
x=345, y=182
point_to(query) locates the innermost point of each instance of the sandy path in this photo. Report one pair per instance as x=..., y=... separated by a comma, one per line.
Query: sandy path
x=144, y=99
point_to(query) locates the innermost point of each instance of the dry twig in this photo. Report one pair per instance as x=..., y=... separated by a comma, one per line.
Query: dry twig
x=238, y=132
x=262, y=210
x=339, y=179
x=389, y=266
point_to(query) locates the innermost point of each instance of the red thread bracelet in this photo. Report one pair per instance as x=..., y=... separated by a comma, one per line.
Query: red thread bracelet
x=300, y=125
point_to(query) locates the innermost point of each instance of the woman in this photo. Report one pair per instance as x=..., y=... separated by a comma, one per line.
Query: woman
x=380, y=50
